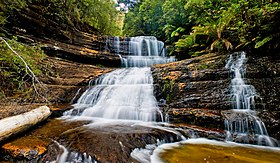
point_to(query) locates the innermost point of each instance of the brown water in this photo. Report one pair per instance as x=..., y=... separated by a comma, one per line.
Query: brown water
x=211, y=153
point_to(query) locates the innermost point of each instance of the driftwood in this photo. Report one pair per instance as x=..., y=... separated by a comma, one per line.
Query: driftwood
x=13, y=125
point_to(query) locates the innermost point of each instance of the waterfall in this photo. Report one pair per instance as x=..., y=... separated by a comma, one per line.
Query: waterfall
x=126, y=93
x=145, y=51
x=243, y=95
x=242, y=124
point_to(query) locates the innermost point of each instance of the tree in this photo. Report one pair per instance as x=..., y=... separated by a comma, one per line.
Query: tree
x=145, y=19
x=176, y=20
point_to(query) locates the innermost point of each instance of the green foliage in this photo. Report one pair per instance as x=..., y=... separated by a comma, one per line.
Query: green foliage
x=99, y=14
x=176, y=19
x=6, y=6
x=264, y=41
x=202, y=66
x=12, y=69
x=168, y=88
x=145, y=19
x=77, y=14
x=186, y=42
x=193, y=26
x=134, y=24
x=2, y=19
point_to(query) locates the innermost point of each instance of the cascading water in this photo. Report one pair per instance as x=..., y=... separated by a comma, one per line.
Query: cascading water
x=243, y=125
x=126, y=93
x=243, y=95
x=145, y=51
x=121, y=94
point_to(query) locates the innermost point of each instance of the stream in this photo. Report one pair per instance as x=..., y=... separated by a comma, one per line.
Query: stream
x=123, y=103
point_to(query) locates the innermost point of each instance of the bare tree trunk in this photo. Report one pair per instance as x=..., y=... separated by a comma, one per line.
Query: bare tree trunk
x=13, y=125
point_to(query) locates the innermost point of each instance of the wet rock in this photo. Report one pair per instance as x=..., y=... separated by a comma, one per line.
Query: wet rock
x=31, y=25
x=81, y=55
x=58, y=110
x=65, y=78
x=113, y=142
x=193, y=89
x=200, y=117
x=203, y=82
x=25, y=149
x=263, y=72
x=193, y=131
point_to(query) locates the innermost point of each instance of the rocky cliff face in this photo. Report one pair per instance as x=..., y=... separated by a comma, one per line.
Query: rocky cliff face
x=264, y=74
x=196, y=91
x=31, y=25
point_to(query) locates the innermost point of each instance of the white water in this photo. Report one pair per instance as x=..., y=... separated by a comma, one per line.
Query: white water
x=145, y=51
x=126, y=93
x=121, y=94
x=243, y=125
x=243, y=95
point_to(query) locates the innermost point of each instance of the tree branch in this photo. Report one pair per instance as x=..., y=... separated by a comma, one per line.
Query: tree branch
x=29, y=72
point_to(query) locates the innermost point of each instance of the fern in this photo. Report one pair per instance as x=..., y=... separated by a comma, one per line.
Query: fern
x=186, y=42
x=177, y=31
x=263, y=41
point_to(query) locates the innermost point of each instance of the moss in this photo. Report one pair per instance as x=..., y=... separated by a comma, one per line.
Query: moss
x=202, y=66
x=168, y=90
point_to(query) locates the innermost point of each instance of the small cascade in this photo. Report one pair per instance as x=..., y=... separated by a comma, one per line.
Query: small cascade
x=68, y=157
x=141, y=51
x=126, y=93
x=145, y=51
x=242, y=124
x=243, y=95
x=121, y=94
x=146, y=46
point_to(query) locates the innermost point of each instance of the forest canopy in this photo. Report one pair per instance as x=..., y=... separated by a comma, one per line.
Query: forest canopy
x=192, y=27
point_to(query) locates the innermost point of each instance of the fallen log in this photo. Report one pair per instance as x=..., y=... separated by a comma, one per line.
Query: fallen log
x=16, y=124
